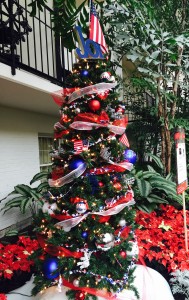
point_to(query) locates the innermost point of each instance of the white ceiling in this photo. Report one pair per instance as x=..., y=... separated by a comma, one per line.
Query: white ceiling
x=14, y=94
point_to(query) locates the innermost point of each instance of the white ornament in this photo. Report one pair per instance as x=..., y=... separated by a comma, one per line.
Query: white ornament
x=105, y=242
x=112, y=79
x=49, y=208
x=122, y=222
x=76, y=282
x=134, y=249
x=85, y=260
x=81, y=207
x=105, y=75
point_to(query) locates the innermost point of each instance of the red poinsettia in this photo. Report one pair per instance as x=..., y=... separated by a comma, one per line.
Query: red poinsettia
x=161, y=237
x=3, y=297
x=15, y=257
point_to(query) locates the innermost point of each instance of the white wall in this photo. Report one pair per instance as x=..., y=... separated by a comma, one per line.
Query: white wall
x=19, y=152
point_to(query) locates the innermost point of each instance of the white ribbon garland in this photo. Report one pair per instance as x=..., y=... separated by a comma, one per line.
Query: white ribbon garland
x=81, y=125
x=69, y=177
x=92, y=89
x=68, y=224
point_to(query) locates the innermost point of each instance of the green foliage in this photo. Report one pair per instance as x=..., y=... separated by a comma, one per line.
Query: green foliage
x=65, y=17
x=27, y=198
x=151, y=188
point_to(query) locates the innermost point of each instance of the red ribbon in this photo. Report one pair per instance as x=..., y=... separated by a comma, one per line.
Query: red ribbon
x=92, y=291
x=56, y=250
x=93, y=118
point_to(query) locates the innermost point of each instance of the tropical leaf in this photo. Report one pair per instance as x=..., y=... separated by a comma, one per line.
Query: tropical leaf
x=156, y=159
x=152, y=198
x=12, y=232
x=22, y=189
x=39, y=176
x=25, y=204
x=144, y=187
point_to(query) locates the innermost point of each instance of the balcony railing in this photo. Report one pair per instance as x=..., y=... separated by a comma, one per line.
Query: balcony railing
x=29, y=43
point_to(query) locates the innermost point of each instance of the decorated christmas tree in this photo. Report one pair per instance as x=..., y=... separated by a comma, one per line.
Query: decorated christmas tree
x=86, y=225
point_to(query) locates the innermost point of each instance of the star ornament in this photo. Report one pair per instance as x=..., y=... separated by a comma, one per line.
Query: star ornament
x=165, y=227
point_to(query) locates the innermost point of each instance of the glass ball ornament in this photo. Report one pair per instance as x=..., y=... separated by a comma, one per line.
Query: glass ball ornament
x=76, y=162
x=123, y=254
x=122, y=222
x=94, y=105
x=50, y=268
x=103, y=95
x=76, y=282
x=84, y=73
x=130, y=156
x=84, y=234
x=81, y=207
x=80, y=295
x=117, y=186
x=105, y=76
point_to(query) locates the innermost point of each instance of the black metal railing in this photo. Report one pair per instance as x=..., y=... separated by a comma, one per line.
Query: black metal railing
x=29, y=43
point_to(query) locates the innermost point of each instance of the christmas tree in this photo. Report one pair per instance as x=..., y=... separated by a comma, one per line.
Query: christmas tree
x=86, y=225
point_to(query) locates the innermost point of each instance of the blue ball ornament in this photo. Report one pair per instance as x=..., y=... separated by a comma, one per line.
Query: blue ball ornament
x=84, y=73
x=50, y=268
x=84, y=234
x=76, y=162
x=130, y=156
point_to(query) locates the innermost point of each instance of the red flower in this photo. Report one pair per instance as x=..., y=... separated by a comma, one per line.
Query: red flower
x=3, y=297
x=161, y=237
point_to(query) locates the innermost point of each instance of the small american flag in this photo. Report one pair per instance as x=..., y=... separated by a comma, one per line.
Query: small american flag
x=96, y=33
x=123, y=139
x=78, y=146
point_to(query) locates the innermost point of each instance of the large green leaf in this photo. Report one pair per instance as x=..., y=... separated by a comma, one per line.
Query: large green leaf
x=156, y=159
x=39, y=176
x=25, y=204
x=22, y=189
x=152, y=198
x=144, y=187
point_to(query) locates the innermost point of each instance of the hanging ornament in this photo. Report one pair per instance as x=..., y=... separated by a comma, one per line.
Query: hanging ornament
x=76, y=162
x=84, y=73
x=81, y=207
x=101, y=184
x=57, y=173
x=103, y=95
x=50, y=268
x=112, y=79
x=123, y=254
x=120, y=109
x=105, y=76
x=117, y=186
x=49, y=208
x=130, y=156
x=105, y=241
x=76, y=282
x=94, y=105
x=84, y=234
x=122, y=222
x=80, y=296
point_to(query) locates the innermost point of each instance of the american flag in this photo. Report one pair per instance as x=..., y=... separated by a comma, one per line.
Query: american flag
x=80, y=146
x=123, y=139
x=96, y=33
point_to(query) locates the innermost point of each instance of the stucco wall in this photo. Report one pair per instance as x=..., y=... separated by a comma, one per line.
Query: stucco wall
x=19, y=159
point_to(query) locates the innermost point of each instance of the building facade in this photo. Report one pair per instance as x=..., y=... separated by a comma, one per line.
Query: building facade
x=33, y=65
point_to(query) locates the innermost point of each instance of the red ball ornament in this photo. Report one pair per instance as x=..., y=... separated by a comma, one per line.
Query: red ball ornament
x=103, y=95
x=123, y=254
x=117, y=186
x=80, y=296
x=101, y=184
x=94, y=105
x=120, y=109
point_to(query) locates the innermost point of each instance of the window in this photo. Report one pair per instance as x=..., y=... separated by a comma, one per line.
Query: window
x=45, y=146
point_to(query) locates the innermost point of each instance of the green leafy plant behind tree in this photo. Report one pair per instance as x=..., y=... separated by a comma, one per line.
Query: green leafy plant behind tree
x=159, y=53
x=152, y=188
